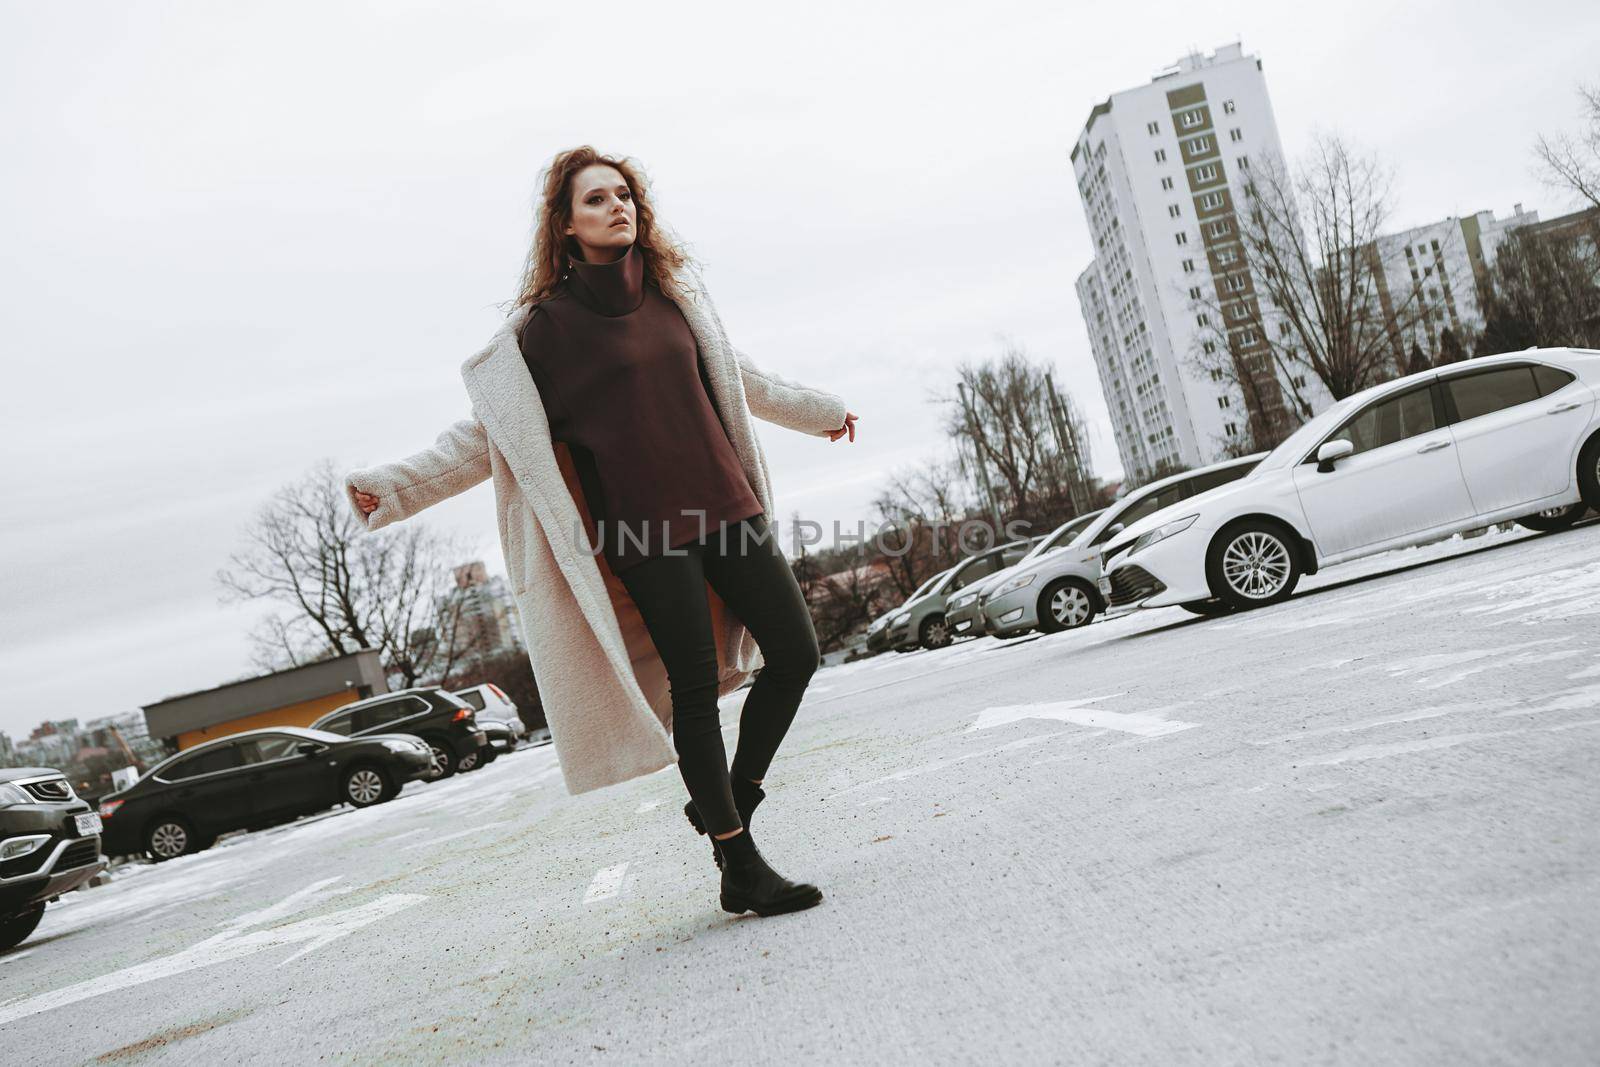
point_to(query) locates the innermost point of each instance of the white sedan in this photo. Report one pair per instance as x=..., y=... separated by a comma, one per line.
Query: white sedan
x=1501, y=437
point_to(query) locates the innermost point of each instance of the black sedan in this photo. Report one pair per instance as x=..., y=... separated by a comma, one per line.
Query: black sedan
x=49, y=844
x=253, y=779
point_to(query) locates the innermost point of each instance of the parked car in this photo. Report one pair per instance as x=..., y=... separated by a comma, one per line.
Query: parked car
x=252, y=779
x=49, y=845
x=497, y=715
x=442, y=719
x=962, y=616
x=1059, y=590
x=920, y=622
x=965, y=613
x=878, y=632
x=1428, y=455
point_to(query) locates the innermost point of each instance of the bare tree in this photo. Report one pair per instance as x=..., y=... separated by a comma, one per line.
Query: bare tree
x=1544, y=289
x=340, y=589
x=924, y=507
x=1571, y=163
x=1316, y=297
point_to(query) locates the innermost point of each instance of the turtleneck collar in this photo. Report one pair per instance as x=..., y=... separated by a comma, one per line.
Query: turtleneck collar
x=610, y=289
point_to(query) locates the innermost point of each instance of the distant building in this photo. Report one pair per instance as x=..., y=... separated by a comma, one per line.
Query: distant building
x=1156, y=168
x=488, y=623
x=1431, y=279
x=294, y=697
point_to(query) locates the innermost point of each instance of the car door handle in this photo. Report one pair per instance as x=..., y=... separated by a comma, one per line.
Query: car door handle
x=1559, y=408
x=1433, y=446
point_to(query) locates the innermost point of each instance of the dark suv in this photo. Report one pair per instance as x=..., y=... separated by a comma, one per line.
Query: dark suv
x=442, y=719
x=49, y=844
x=252, y=779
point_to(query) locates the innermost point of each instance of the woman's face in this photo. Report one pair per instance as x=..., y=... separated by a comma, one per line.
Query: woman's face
x=604, y=216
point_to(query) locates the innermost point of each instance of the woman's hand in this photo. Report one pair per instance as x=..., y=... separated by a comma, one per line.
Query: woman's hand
x=366, y=501
x=848, y=427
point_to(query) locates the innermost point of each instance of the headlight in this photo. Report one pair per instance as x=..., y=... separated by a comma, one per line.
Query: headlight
x=1161, y=533
x=401, y=746
x=1012, y=584
x=962, y=600
x=14, y=794
x=899, y=617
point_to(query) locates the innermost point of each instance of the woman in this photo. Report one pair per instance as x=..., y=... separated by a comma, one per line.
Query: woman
x=613, y=416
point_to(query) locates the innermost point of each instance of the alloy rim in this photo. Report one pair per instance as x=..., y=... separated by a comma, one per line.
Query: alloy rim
x=469, y=761
x=365, y=787
x=1256, y=565
x=1070, y=606
x=441, y=760
x=936, y=634
x=169, y=840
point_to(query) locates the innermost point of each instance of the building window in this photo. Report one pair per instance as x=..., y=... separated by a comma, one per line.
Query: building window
x=1161, y=155
x=1226, y=256
x=1211, y=200
x=1194, y=292
x=1283, y=328
x=1173, y=211
x=1223, y=402
x=1208, y=347
x=1166, y=183
x=1240, y=311
x=1235, y=135
x=1183, y=238
x=1198, y=145
x=1152, y=128
x=1191, y=119
x=1299, y=381
x=1244, y=162
x=1250, y=190
x=1188, y=266
x=1221, y=228
x=1227, y=107
x=1205, y=173
x=1202, y=319
x=1236, y=284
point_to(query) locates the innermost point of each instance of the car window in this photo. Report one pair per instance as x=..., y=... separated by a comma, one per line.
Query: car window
x=269, y=748
x=971, y=571
x=221, y=758
x=1484, y=393
x=473, y=697
x=385, y=712
x=1009, y=556
x=1140, y=508
x=1550, y=379
x=1208, y=480
x=339, y=724
x=1389, y=420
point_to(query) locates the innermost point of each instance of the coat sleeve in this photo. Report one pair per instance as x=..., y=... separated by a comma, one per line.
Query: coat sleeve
x=788, y=403
x=458, y=460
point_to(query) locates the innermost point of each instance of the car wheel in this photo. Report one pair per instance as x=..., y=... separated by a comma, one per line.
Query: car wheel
x=444, y=762
x=170, y=837
x=1553, y=518
x=934, y=632
x=14, y=929
x=1066, y=605
x=1253, y=564
x=1589, y=472
x=471, y=761
x=490, y=753
x=1208, y=608
x=366, y=785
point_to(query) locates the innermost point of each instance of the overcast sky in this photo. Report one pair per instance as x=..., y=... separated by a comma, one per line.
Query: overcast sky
x=243, y=238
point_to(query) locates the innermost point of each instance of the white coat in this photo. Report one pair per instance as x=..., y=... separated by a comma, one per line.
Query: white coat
x=604, y=687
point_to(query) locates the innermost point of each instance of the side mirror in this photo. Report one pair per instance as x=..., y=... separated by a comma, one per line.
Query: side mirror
x=1332, y=452
x=1115, y=529
x=308, y=748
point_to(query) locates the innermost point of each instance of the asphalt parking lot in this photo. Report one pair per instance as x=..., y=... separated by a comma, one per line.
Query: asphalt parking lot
x=1357, y=827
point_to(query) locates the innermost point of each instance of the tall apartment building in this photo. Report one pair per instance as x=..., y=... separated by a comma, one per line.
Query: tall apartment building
x=1431, y=279
x=1156, y=168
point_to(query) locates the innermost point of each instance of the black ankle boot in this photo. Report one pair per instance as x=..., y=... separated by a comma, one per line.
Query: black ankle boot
x=749, y=884
x=746, y=795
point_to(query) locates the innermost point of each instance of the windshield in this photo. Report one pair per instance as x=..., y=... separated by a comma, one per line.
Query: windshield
x=1063, y=535
x=927, y=585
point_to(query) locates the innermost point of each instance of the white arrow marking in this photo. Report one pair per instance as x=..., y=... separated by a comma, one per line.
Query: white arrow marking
x=1146, y=724
x=646, y=805
x=607, y=884
x=220, y=948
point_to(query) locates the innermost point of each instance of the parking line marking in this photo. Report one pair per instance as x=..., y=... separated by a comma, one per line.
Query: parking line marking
x=648, y=805
x=460, y=833
x=607, y=884
x=1145, y=724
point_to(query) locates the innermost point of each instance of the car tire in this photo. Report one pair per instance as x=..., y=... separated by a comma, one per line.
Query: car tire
x=1589, y=472
x=1208, y=608
x=1253, y=563
x=1066, y=604
x=14, y=929
x=1552, y=519
x=933, y=633
x=490, y=753
x=366, y=784
x=444, y=760
x=170, y=836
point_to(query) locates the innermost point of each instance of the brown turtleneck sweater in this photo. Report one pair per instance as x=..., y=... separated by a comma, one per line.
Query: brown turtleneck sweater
x=622, y=383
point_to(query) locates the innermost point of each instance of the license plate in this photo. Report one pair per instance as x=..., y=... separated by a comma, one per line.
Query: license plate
x=88, y=823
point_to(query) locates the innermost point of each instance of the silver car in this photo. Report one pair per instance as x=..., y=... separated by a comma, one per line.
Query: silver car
x=965, y=613
x=1059, y=590
x=920, y=621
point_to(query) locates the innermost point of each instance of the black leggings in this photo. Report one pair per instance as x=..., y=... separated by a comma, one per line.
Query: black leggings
x=742, y=562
